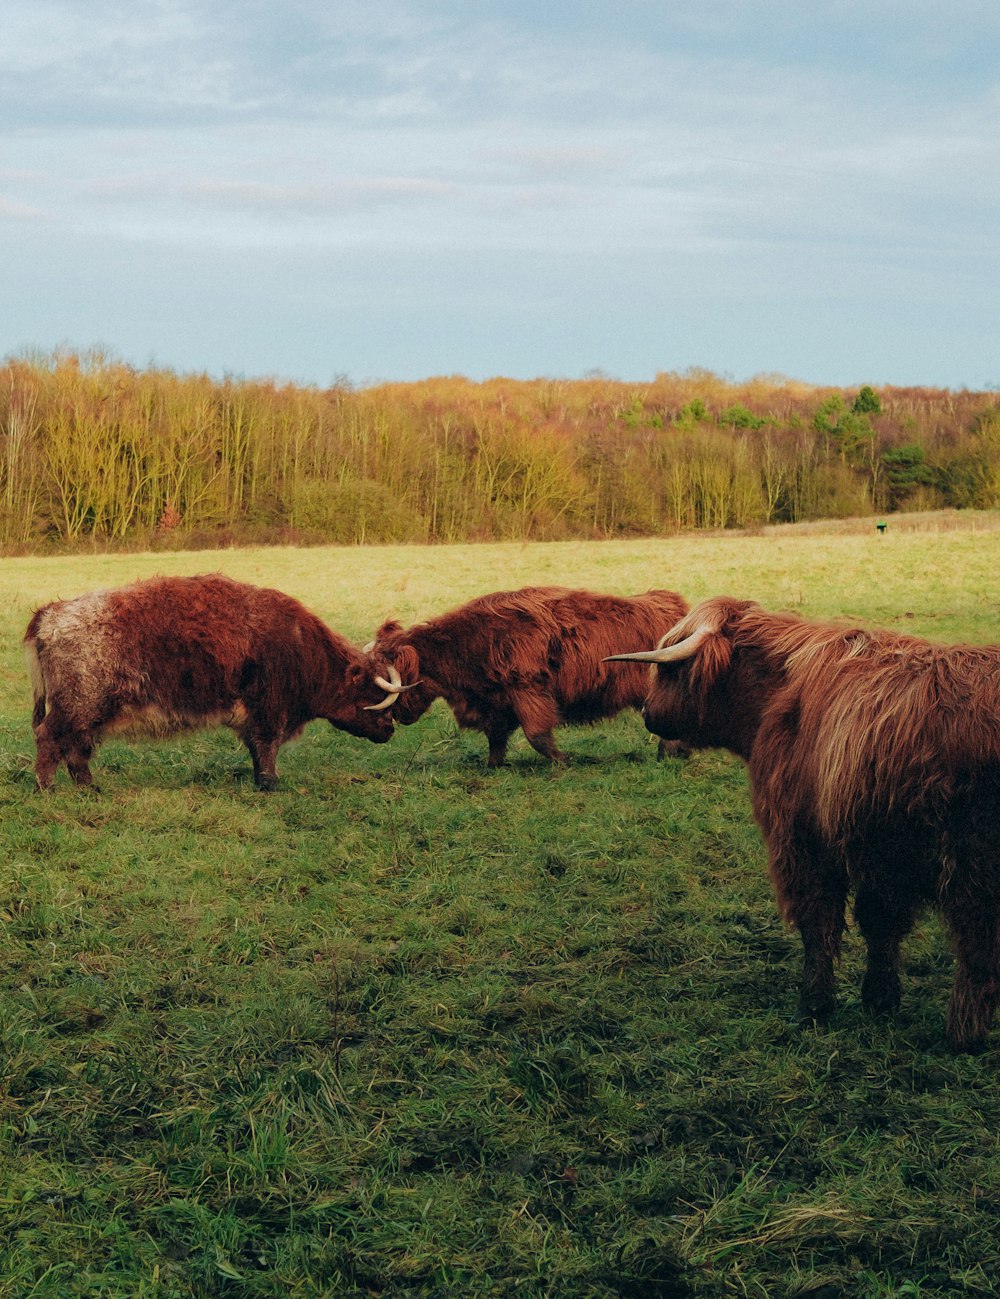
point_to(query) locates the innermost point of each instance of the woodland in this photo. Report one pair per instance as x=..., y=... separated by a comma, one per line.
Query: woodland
x=96, y=453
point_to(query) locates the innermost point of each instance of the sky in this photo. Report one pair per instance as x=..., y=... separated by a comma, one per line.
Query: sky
x=317, y=192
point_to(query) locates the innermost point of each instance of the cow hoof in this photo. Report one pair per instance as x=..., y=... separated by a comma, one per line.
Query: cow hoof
x=812, y=1016
x=883, y=1004
x=974, y=1047
x=267, y=784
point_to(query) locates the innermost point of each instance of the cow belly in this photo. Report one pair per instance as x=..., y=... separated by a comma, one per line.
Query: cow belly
x=584, y=709
x=151, y=721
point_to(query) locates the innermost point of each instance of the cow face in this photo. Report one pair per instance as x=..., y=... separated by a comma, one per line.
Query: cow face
x=671, y=709
x=363, y=712
x=694, y=692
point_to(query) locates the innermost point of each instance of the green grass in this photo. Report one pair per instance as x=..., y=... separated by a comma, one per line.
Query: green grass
x=410, y=1028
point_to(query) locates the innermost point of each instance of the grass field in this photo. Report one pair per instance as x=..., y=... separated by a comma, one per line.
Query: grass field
x=410, y=1028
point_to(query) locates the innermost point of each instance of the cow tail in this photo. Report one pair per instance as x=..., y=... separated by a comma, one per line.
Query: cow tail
x=37, y=680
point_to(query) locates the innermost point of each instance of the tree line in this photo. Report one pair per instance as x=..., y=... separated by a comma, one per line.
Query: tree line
x=93, y=451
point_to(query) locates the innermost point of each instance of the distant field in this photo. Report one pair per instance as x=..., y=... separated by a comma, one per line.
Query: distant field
x=820, y=568
x=410, y=1028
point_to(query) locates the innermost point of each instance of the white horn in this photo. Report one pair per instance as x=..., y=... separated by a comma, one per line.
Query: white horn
x=666, y=653
x=395, y=681
x=393, y=689
x=367, y=649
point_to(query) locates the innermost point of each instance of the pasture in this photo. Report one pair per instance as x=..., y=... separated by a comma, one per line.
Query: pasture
x=407, y=1027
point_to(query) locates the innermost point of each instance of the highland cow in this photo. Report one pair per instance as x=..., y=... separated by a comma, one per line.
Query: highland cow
x=530, y=658
x=874, y=765
x=171, y=654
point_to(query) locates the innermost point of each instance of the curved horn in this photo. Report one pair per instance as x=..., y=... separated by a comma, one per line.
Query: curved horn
x=367, y=649
x=666, y=653
x=395, y=682
x=393, y=689
x=387, y=702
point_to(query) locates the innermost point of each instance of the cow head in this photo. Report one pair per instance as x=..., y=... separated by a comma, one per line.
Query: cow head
x=366, y=707
x=696, y=692
x=391, y=648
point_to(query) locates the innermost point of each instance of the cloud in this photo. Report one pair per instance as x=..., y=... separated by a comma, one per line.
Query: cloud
x=760, y=148
x=112, y=62
x=362, y=193
x=13, y=211
x=51, y=35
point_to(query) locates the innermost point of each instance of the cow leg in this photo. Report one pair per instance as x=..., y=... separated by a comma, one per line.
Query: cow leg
x=883, y=928
x=812, y=894
x=51, y=747
x=78, y=762
x=263, y=746
x=498, y=730
x=975, y=931
x=820, y=926
x=48, y=756
x=538, y=718
x=264, y=755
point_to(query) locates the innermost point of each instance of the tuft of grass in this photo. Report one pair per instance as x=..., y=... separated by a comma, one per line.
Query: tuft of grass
x=411, y=1028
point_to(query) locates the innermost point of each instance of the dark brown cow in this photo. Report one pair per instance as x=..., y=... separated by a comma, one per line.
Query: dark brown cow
x=530, y=658
x=178, y=653
x=874, y=764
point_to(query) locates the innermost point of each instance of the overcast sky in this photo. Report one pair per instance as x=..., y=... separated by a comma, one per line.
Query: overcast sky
x=314, y=189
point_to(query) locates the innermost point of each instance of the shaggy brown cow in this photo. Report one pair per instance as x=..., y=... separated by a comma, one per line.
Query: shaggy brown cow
x=180, y=653
x=530, y=658
x=874, y=764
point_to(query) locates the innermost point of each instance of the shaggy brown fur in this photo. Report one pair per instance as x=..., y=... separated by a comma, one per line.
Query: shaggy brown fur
x=179, y=653
x=874, y=763
x=528, y=658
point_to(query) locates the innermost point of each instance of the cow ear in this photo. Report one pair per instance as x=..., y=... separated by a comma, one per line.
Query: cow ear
x=407, y=662
x=389, y=628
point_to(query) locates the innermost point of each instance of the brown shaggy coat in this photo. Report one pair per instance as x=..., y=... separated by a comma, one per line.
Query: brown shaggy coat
x=179, y=653
x=528, y=658
x=874, y=763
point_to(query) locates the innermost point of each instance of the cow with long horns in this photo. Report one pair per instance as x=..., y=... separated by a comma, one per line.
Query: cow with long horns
x=874, y=765
x=170, y=654
x=530, y=658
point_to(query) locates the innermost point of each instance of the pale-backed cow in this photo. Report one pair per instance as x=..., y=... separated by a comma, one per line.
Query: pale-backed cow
x=178, y=653
x=530, y=658
x=874, y=764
